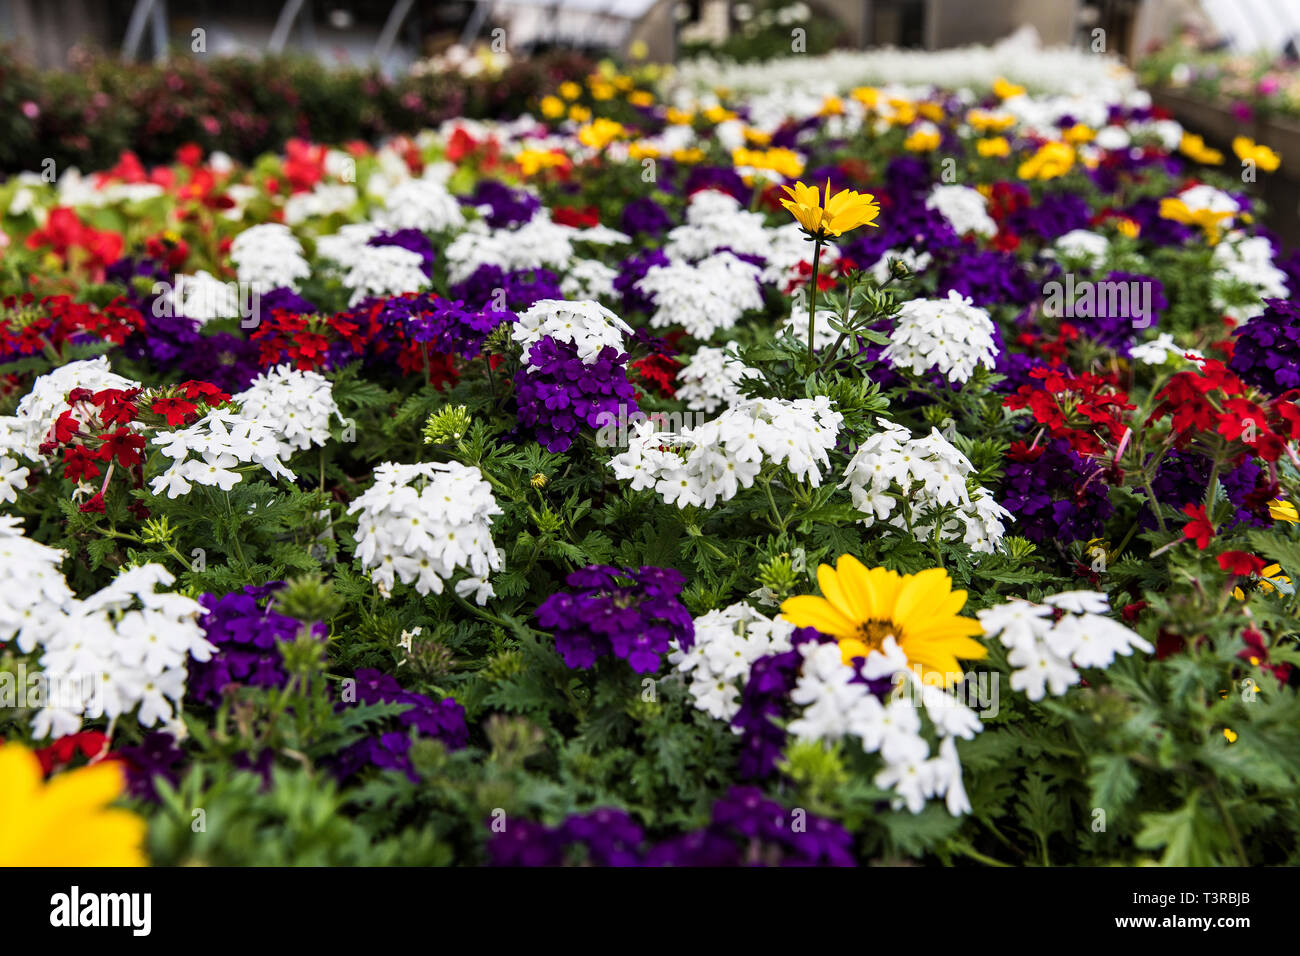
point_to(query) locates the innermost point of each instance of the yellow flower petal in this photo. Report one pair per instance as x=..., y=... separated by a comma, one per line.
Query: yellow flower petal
x=808, y=610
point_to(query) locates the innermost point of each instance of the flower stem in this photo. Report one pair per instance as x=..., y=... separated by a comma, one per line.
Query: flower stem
x=812, y=301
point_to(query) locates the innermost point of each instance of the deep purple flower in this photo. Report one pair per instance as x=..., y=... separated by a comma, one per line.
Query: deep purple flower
x=245, y=629
x=442, y=720
x=1267, y=350
x=1117, y=329
x=490, y=287
x=989, y=278
x=764, y=701
x=1053, y=217
x=644, y=216
x=748, y=829
x=557, y=394
x=1057, y=495
x=631, y=271
x=1183, y=476
x=506, y=207
x=633, y=614
x=155, y=756
x=447, y=325
x=722, y=178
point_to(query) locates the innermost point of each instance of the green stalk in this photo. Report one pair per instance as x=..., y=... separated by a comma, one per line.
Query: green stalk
x=812, y=300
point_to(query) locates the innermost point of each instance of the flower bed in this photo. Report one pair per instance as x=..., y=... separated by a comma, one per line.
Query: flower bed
x=818, y=479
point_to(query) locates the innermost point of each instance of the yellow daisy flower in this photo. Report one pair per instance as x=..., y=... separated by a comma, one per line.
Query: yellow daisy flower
x=860, y=608
x=924, y=139
x=552, y=107
x=994, y=146
x=1263, y=157
x=67, y=821
x=1051, y=160
x=840, y=213
x=1005, y=89
x=1194, y=148
x=1207, y=220
x=1280, y=510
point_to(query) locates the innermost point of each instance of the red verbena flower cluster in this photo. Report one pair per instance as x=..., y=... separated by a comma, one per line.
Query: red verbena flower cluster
x=29, y=326
x=1084, y=408
x=107, y=430
x=1212, y=400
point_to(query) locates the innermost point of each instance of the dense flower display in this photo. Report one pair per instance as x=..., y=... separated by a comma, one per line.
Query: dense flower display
x=896, y=464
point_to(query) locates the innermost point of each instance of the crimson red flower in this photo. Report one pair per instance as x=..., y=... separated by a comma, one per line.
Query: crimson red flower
x=94, y=505
x=124, y=445
x=90, y=743
x=1131, y=611
x=174, y=410
x=1240, y=563
x=584, y=218
x=66, y=427
x=1199, y=529
x=115, y=405
x=79, y=463
x=1256, y=653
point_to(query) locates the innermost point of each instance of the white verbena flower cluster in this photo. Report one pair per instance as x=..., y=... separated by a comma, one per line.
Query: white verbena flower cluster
x=713, y=220
x=1160, y=349
x=1246, y=260
x=297, y=405
x=949, y=334
x=420, y=523
x=835, y=705
x=1049, y=642
x=1082, y=245
x=203, y=297
x=705, y=297
x=324, y=199
x=727, y=643
x=588, y=325
x=269, y=257
x=964, y=208
x=537, y=244
x=124, y=647
x=422, y=204
x=929, y=474
x=711, y=379
x=32, y=588
x=589, y=279
x=378, y=271
x=223, y=440
x=700, y=465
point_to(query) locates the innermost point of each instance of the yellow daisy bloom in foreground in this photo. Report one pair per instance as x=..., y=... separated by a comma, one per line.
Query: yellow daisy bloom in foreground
x=840, y=213
x=861, y=607
x=66, y=822
x=1281, y=510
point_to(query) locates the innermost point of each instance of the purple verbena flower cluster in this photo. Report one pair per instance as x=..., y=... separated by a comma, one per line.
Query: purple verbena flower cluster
x=746, y=829
x=1056, y=495
x=442, y=720
x=1267, y=350
x=632, y=614
x=245, y=629
x=557, y=393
